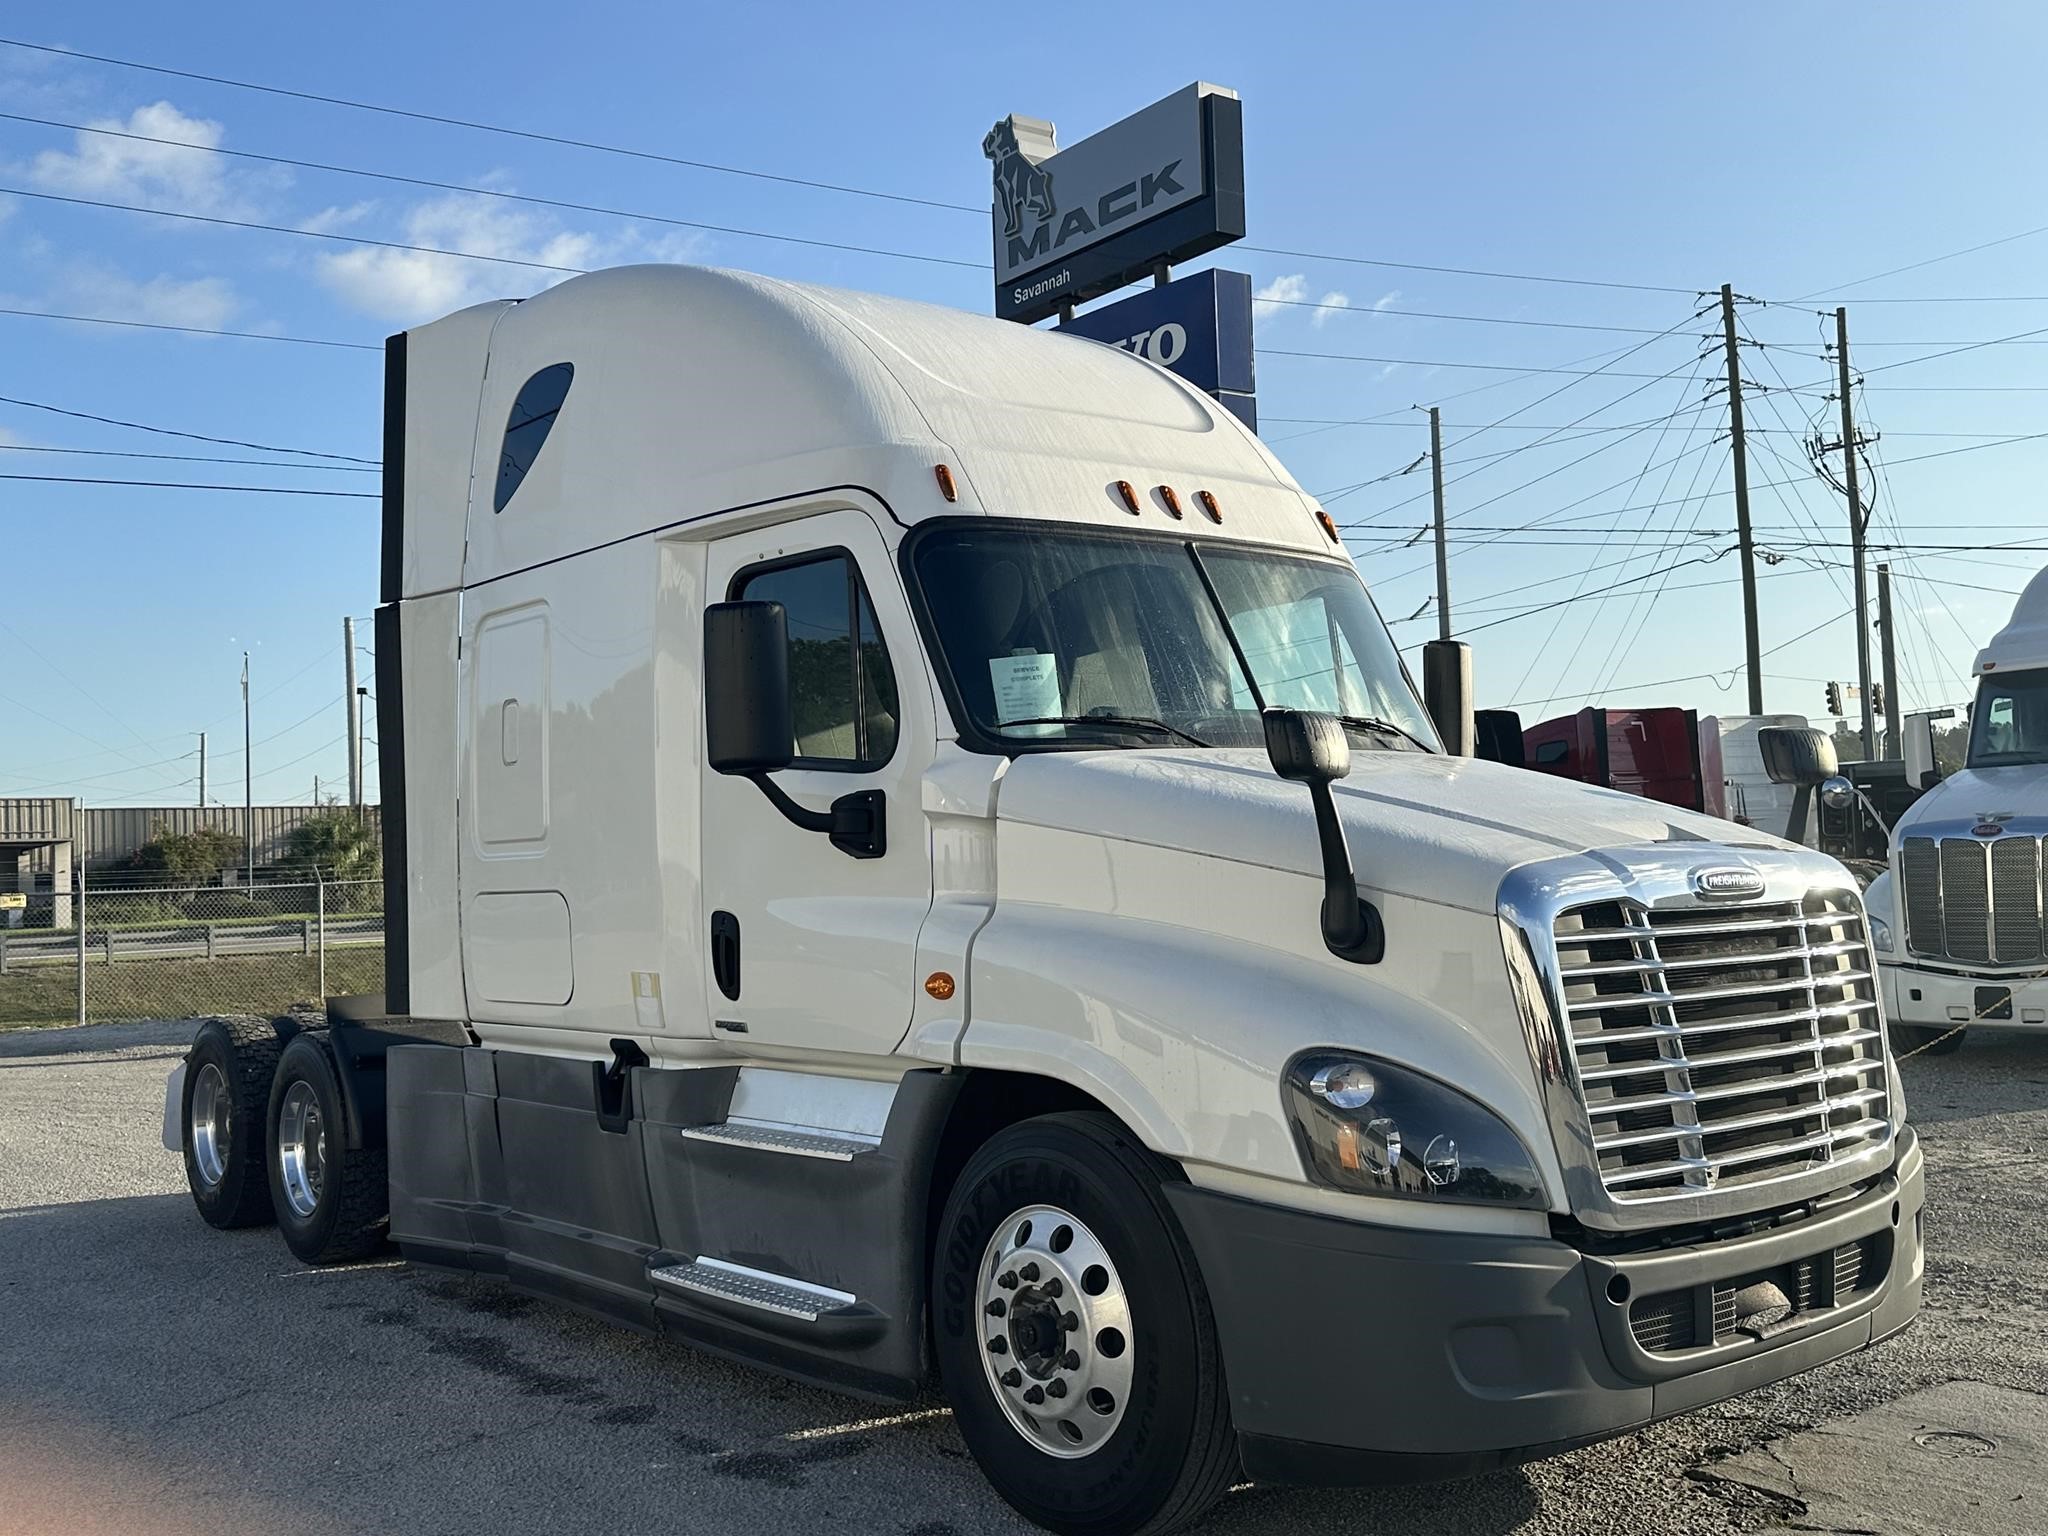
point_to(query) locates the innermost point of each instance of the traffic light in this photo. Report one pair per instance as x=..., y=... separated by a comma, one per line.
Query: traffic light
x=1877, y=698
x=1834, y=698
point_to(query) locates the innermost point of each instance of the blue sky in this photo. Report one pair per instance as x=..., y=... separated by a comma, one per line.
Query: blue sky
x=1786, y=149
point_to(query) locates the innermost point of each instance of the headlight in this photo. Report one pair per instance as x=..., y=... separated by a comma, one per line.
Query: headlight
x=1880, y=934
x=1372, y=1128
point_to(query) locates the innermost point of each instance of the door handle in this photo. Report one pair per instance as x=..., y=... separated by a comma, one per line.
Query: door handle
x=725, y=953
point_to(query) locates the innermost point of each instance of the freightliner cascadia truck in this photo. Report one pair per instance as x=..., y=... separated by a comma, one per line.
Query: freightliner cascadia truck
x=911, y=856
x=1961, y=917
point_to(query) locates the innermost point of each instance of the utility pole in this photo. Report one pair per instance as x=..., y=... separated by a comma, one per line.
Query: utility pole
x=248, y=779
x=355, y=716
x=1751, y=647
x=202, y=770
x=1443, y=563
x=1894, y=748
x=1856, y=523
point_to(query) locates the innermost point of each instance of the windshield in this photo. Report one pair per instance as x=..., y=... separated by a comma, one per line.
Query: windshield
x=1053, y=636
x=2010, y=724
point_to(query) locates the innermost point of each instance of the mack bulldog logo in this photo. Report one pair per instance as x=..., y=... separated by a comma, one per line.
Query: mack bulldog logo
x=1021, y=187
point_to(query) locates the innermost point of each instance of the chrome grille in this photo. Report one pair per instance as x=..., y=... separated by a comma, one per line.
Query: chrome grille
x=1974, y=899
x=1965, y=898
x=1722, y=1045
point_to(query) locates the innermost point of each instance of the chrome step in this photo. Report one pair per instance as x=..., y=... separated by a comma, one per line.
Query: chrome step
x=837, y=1147
x=752, y=1288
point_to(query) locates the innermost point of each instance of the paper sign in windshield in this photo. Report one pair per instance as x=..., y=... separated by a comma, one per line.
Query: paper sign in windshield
x=1027, y=687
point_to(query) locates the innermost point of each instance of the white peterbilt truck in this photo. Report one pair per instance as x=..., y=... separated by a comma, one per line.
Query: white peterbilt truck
x=912, y=855
x=1960, y=919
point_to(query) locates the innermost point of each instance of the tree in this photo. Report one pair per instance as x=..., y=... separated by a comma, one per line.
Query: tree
x=185, y=858
x=339, y=844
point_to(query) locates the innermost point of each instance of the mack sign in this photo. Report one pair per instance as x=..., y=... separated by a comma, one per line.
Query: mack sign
x=1163, y=185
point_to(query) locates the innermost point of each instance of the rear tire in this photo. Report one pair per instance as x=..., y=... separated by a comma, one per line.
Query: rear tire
x=223, y=1111
x=1934, y=1039
x=331, y=1199
x=1145, y=1443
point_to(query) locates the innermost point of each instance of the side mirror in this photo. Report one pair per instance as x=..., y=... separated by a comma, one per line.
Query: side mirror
x=1499, y=737
x=1797, y=754
x=1312, y=749
x=1306, y=747
x=1837, y=793
x=748, y=724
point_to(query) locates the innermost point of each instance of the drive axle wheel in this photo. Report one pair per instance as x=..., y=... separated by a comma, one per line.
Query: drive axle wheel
x=1074, y=1335
x=331, y=1198
x=227, y=1087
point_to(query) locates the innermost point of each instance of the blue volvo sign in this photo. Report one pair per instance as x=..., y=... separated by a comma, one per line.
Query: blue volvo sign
x=1200, y=327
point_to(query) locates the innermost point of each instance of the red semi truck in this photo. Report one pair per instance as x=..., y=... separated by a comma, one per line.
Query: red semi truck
x=1654, y=753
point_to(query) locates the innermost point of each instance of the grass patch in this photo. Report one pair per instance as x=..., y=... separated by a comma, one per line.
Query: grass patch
x=181, y=989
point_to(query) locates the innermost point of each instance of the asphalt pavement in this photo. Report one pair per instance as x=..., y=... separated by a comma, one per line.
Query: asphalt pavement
x=158, y=1378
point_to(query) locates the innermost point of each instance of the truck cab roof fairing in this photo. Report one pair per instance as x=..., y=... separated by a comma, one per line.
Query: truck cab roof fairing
x=700, y=390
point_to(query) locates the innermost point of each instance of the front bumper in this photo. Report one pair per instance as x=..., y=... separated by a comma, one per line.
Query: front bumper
x=1916, y=994
x=1360, y=1353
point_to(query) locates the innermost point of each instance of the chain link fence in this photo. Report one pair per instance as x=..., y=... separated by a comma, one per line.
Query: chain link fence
x=170, y=952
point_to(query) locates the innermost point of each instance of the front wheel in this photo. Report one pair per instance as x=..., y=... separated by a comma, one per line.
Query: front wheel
x=1074, y=1335
x=331, y=1198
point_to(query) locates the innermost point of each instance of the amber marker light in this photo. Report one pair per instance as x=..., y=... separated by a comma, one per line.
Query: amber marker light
x=939, y=984
x=1125, y=489
x=1166, y=494
x=946, y=487
x=1328, y=527
x=1209, y=505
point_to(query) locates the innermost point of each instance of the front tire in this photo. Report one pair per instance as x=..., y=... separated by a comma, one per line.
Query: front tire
x=223, y=1109
x=331, y=1199
x=1074, y=1335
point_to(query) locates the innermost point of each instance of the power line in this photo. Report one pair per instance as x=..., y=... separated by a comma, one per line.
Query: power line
x=1915, y=266
x=190, y=330
x=1416, y=266
x=491, y=192
x=1699, y=676
x=187, y=485
x=1425, y=314
x=479, y=127
x=197, y=437
x=186, y=458
x=1427, y=362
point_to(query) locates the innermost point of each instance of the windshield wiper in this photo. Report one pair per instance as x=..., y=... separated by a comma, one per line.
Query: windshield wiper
x=1384, y=727
x=1110, y=722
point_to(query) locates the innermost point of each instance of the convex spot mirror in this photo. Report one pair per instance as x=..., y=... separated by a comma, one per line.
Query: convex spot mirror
x=748, y=724
x=1797, y=754
x=1837, y=793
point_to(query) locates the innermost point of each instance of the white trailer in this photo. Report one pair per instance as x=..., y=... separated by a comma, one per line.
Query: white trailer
x=875, y=890
x=1961, y=917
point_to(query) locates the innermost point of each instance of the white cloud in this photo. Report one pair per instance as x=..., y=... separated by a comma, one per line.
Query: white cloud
x=165, y=174
x=1385, y=301
x=206, y=302
x=1291, y=289
x=1333, y=303
x=415, y=285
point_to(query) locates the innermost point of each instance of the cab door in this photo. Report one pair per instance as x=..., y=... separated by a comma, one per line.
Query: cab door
x=812, y=947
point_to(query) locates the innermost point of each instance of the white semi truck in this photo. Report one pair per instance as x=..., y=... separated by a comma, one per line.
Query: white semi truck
x=911, y=854
x=1960, y=920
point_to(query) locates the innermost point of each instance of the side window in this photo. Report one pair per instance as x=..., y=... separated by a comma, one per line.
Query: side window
x=842, y=689
x=527, y=426
x=1550, y=753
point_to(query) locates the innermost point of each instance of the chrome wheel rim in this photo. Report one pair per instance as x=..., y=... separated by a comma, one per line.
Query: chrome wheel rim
x=1056, y=1341
x=301, y=1148
x=212, y=1125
